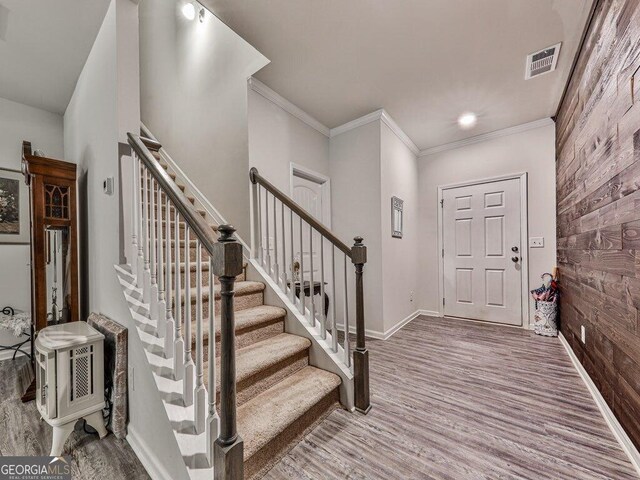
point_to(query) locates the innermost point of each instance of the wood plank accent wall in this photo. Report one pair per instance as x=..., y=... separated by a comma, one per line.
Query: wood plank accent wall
x=598, y=207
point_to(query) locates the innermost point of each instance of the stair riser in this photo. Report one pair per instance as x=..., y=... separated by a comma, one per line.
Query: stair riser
x=244, y=338
x=239, y=303
x=251, y=387
x=265, y=458
x=163, y=213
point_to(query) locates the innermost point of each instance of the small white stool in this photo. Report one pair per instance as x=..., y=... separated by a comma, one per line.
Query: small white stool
x=70, y=379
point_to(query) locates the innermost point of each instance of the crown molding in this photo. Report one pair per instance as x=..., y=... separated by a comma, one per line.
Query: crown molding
x=358, y=122
x=487, y=136
x=384, y=117
x=395, y=128
x=277, y=99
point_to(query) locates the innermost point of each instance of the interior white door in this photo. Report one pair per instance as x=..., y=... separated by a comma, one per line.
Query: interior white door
x=309, y=195
x=482, y=251
x=311, y=192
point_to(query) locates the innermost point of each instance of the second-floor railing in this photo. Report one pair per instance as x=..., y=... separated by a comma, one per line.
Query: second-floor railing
x=307, y=260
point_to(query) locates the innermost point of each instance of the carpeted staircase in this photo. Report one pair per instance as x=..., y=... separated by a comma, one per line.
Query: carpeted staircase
x=280, y=396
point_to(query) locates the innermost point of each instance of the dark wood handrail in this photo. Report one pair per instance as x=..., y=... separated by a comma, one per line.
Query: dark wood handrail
x=190, y=215
x=256, y=178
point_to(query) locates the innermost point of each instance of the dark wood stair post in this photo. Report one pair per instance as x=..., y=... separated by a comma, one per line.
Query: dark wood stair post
x=228, y=448
x=360, y=354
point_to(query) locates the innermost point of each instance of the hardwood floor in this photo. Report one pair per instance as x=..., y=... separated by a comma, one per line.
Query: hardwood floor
x=22, y=433
x=463, y=400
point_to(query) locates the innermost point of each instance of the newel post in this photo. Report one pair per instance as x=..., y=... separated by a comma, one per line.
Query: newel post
x=228, y=449
x=360, y=354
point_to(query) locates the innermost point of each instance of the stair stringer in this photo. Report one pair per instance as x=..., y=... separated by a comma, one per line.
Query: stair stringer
x=179, y=419
x=320, y=352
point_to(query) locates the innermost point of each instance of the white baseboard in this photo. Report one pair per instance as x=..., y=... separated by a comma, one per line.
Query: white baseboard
x=609, y=417
x=377, y=334
x=149, y=461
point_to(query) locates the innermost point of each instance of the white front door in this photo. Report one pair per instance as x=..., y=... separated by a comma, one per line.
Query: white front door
x=482, y=251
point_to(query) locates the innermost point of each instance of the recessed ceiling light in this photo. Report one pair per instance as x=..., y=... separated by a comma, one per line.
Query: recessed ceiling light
x=467, y=120
x=189, y=11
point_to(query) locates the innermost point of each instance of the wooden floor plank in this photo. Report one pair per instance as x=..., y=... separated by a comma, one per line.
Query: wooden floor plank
x=464, y=400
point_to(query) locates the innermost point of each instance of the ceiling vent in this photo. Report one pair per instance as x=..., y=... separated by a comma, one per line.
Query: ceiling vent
x=542, y=62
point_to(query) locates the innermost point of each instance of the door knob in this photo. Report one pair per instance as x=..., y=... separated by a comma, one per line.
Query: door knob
x=514, y=259
x=514, y=249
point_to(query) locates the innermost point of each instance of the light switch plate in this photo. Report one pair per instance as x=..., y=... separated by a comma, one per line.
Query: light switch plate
x=536, y=242
x=107, y=186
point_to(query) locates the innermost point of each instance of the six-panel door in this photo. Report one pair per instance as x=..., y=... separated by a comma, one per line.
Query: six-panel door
x=482, y=257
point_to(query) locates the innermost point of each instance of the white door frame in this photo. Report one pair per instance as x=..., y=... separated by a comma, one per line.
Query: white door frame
x=322, y=180
x=524, y=253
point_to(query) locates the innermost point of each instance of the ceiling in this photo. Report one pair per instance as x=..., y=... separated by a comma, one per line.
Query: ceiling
x=43, y=47
x=424, y=62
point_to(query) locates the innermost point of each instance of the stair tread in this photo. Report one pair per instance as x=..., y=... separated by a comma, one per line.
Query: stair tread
x=268, y=414
x=246, y=319
x=244, y=287
x=267, y=353
x=263, y=355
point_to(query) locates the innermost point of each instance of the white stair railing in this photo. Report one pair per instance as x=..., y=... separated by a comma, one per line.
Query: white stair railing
x=306, y=273
x=160, y=212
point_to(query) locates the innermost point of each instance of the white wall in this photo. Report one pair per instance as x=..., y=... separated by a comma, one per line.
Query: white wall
x=43, y=129
x=400, y=276
x=194, y=100
x=102, y=109
x=277, y=139
x=356, y=203
x=531, y=151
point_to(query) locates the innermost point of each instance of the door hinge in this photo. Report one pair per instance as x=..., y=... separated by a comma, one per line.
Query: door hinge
x=443, y=302
x=443, y=253
x=441, y=202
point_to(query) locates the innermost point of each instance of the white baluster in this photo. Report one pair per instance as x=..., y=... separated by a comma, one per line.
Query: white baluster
x=323, y=317
x=276, y=272
x=283, y=269
x=162, y=305
x=213, y=420
x=334, y=320
x=153, y=301
x=302, y=295
x=260, y=245
x=347, y=354
x=268, y=249
x=255, y=217
x=170, y=325
x=292, y=287
x=146, y=291
x=199, y=394
x=140, y=228
x=133, y=255
x=178, y=344
x=311, y=284
x=187, y=382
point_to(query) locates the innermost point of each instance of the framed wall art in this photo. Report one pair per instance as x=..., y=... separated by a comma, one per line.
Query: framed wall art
x=397, y=206
x=14, y=207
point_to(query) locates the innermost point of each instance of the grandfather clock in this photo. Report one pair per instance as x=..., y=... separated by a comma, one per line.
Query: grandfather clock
x=54, y=241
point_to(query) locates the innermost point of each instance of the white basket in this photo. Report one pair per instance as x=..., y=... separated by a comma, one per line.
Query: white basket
x=545, y=319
